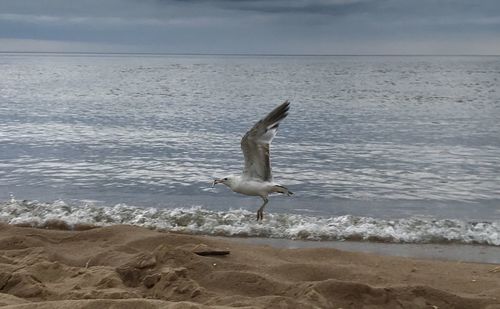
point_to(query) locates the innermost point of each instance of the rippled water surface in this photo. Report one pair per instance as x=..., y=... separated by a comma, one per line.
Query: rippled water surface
x=386, y=137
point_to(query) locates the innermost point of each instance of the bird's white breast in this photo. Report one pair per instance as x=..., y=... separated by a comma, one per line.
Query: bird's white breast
x=251, y=187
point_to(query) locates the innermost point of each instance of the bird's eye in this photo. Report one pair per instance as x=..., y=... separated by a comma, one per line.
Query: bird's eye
x=225, y=178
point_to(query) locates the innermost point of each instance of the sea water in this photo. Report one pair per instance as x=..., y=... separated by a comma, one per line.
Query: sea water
x=377, y=148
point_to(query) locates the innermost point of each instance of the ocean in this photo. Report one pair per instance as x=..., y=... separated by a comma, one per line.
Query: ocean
x=402, y=149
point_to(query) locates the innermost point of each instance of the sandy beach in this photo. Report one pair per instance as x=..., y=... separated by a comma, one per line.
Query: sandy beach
x=131, y=267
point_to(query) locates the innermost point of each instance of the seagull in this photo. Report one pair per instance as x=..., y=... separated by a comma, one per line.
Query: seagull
x=256, y=178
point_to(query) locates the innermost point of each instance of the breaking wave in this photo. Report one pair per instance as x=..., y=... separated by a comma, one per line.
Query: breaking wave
x=242, y=223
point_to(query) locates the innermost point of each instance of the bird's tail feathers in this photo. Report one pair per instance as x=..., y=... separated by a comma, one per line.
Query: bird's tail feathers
x=282, y=190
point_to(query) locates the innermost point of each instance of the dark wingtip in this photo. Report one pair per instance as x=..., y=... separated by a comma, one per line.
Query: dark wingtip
x=279, y=112
x=275, y=116
x=286, y=104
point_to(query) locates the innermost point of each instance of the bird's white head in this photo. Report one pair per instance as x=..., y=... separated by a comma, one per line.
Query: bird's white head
x=228, y=181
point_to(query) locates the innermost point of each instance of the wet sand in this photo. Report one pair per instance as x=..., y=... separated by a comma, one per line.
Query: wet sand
x=132, y=267
x=446, y=252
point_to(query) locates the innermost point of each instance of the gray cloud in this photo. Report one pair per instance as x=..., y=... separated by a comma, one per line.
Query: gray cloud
x=281, y=26
x=324, y=7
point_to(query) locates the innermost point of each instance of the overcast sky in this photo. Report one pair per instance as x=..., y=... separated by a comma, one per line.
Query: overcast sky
x=252, y=26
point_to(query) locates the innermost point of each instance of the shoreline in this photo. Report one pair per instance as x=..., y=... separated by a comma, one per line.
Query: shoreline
x=241, y=222
x=130, y=266
x=468, y=253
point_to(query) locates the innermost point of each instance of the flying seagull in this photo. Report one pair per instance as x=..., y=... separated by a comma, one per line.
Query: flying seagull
x=256, y=179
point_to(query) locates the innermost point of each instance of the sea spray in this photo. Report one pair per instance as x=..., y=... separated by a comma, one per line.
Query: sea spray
x=242, y=223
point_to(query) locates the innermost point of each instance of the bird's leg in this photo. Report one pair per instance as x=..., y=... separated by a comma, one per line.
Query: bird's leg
x=260, y=212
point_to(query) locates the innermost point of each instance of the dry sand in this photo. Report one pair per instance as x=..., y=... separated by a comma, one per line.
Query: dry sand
x=132, y=267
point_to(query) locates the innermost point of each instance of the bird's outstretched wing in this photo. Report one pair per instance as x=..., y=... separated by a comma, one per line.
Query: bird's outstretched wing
x=255, y=144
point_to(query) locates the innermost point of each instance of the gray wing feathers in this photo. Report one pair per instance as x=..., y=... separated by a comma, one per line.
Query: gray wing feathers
x=255, y=144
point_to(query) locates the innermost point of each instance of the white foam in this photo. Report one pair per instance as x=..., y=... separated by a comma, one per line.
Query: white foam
x=239, y=222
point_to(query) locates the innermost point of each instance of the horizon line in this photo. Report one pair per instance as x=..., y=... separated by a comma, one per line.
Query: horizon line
x=244, y=54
